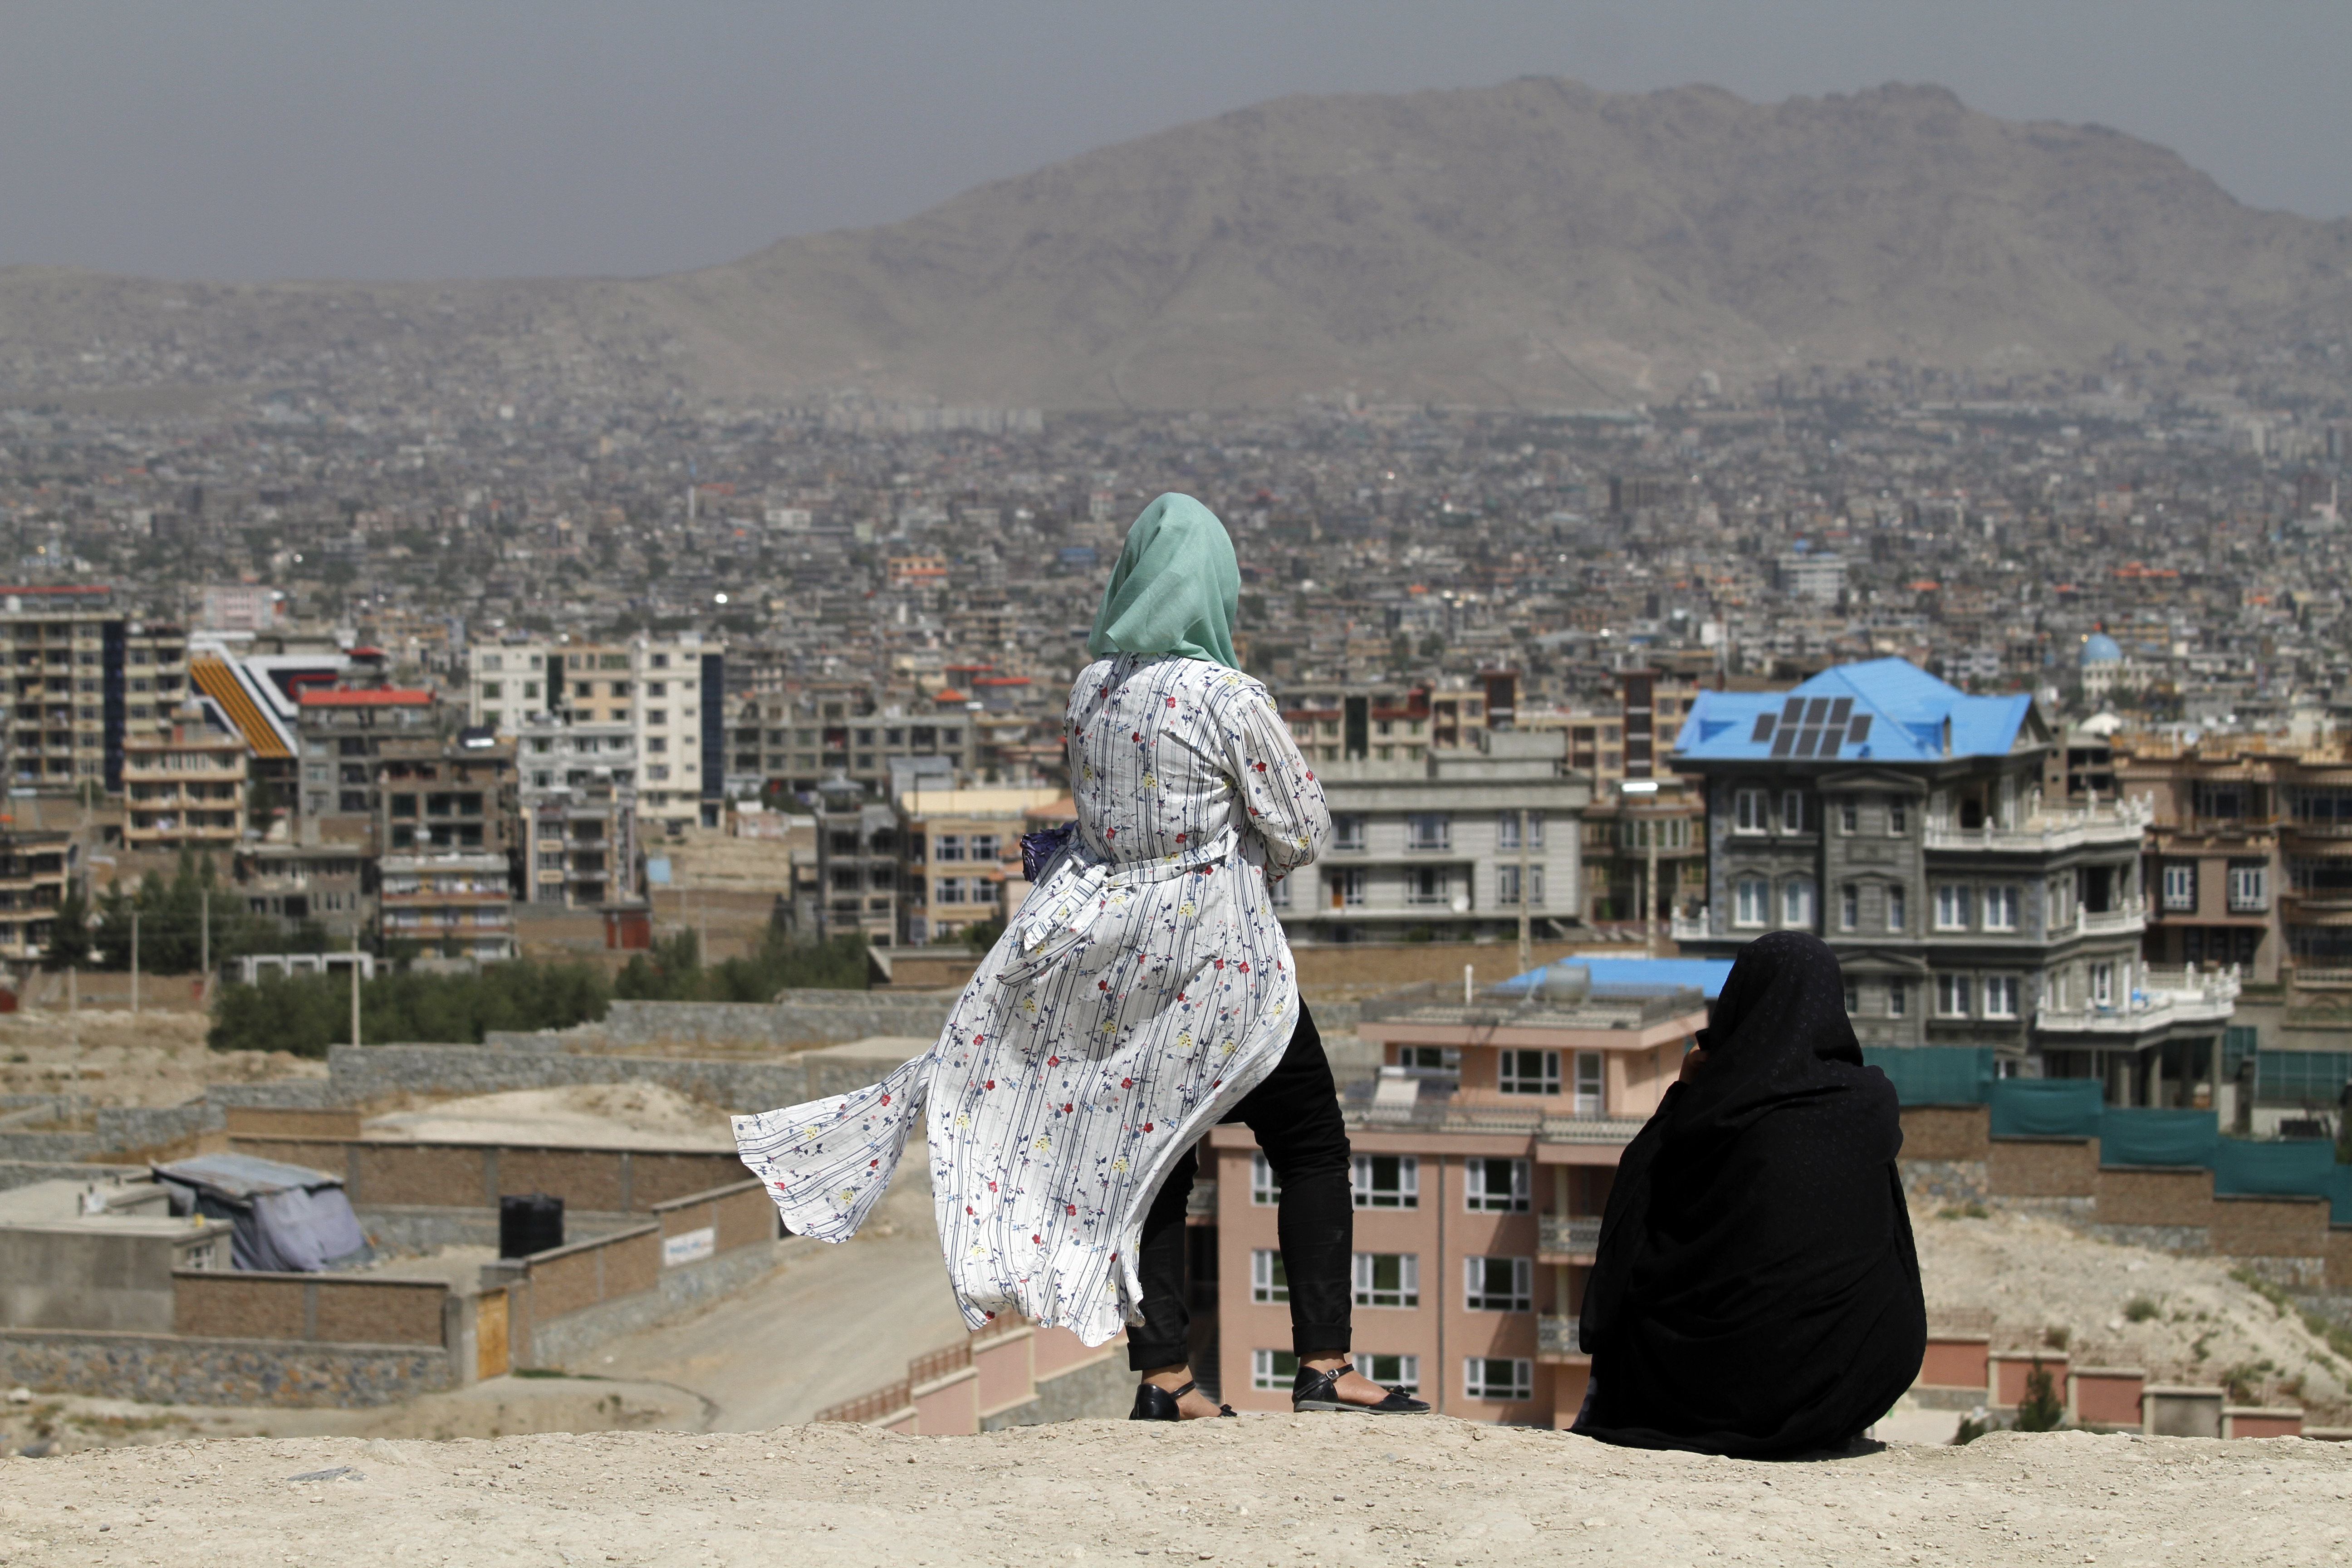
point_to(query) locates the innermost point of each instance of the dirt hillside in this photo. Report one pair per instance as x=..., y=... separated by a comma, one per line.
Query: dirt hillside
x=1318, y=1491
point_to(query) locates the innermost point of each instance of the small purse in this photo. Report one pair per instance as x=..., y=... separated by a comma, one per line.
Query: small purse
x=1038, y=848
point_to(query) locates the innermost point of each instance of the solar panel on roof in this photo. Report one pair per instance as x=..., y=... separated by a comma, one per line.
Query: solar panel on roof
x=1763, y=728
x=1792, y=711
x=1785, y=741
x=1839, y=709
x=1827, y=740
x=1819, y=712
x=1859, y=730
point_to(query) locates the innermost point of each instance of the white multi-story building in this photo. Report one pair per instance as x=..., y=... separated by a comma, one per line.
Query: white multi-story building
x=579, y=810
x=669, y=696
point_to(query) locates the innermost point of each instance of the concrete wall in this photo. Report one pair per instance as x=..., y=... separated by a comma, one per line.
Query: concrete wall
x=473, y=1175
x=69, y=1276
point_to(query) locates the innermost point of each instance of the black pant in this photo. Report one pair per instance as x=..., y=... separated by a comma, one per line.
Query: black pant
x=1296, y=1115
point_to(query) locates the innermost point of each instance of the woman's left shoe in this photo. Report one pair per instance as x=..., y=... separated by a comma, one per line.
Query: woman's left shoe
x=1313, y=1390
x=1153, y=1403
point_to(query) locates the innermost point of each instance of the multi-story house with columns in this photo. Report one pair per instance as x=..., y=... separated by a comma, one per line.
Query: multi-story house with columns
x=1924, y=835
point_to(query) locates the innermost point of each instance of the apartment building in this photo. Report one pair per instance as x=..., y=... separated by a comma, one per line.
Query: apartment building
x=958, y=850
x=1645, y=831
x=82, y=681
x=183, y=786
x=297, y=884
x=457, y=904
x=798, y=740
x=345, y=735
x=1451, y=845
x=35, y=866
x=1924, y=835
x=1484, y=1153
x=858, y=869
x=671, y=695
x=578, y=812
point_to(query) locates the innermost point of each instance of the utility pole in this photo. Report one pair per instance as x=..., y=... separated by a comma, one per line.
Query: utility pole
x=207, y=924
x=1649, y=891
x=1527, y=943
x=355, y=985
x=134, y=961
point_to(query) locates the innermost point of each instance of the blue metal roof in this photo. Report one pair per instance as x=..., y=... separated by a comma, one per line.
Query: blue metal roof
x=1888, y=709
x=1632, y=976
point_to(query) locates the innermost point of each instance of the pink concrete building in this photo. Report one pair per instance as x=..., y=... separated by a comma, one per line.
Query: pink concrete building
x=1483, y=1156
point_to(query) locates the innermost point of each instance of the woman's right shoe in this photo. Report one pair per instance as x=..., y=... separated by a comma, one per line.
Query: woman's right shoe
x=1153, y=1403
x=1313, y=1390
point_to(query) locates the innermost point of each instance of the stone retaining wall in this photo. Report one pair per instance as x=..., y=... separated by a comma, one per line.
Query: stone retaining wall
x=367, y=1073
x=167, y=1369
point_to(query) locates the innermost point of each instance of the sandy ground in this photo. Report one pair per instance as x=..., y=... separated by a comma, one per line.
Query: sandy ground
x=1316, y=1490
x=121, y=1057
x=595, y=1116
x=2178, y=1318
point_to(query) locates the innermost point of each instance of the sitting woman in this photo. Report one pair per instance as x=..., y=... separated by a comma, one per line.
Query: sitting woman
x=1756, y=1291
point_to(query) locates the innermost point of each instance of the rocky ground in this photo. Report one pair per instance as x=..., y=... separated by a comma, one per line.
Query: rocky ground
x=2181, y=1319
x=115, y=1057
x=1315, y=1490
x=590, y=1116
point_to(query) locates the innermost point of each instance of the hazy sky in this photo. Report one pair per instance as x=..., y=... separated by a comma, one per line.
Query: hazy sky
x=253, y=139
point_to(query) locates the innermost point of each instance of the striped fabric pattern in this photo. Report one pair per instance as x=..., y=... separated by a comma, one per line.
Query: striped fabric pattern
x=1144, y=988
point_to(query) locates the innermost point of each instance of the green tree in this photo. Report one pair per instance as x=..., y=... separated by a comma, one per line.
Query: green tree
x=2041, y=1410
x=70, y=932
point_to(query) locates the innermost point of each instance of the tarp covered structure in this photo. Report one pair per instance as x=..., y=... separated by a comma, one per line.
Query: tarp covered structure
x=289, y=1218
x=1935, y=1075
x=2045, y=1106
x=2149, y=1135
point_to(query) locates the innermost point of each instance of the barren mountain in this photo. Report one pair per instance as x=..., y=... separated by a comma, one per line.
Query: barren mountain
x=1536, y=243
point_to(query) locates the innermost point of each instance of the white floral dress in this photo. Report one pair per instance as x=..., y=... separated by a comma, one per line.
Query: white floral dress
x=1140, y=990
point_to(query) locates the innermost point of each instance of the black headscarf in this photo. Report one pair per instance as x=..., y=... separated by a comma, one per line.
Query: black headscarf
x=1755, y=1291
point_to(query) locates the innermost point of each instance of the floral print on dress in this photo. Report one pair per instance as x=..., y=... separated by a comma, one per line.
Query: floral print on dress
x=1143, y=987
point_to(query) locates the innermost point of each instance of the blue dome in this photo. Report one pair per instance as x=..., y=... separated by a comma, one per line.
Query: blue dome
x=2100, y=648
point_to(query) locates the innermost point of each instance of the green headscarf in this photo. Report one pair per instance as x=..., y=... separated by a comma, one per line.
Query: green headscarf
x=1176, y=589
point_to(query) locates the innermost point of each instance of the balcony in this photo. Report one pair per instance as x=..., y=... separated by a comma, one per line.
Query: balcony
x=2128, y=921
x=2161, y=998
x=1688, y=927
x=1574, y=1236
x=1556, y=1341
x=2117, y=821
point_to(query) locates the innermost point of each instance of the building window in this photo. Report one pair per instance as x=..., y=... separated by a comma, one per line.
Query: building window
x=1507, y=886
x=1898, y=818
x=1951, y=995
x=2001, y=906
x=1273, y=1371
x=1428, y=885
x=1398, y=1371
x=1849, y=906
x=1506, y=831
x=1748, y=811
x=1852, y=998
x=1849, y=816
x=1898, y=908
x=492, y=691
x=1498, y=1378
x=2249, y=886
x=2000, y=996
x=1792, y=811
x=1751, y=896
x=2103, y=985
x=1278, y=893
x=1268, y=1282
x=1388, y=1181
x=1797, y=904
x=1347, y=888
x=2180, y=886
x=1589, y=1094
x=947, y=846
x=985, y=846
x=1263, y=1187
x=1495, y=1185
x=1499, y=1284
x=947, y=891
x=1348, y=834
x=1527, y=1072
x=1951, y=907
x=1431, y=831
x=1387, y=1279
x=1898, y=999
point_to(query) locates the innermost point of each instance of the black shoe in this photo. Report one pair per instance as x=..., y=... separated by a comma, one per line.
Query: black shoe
x=1315, y=1390
x=1153, y=1403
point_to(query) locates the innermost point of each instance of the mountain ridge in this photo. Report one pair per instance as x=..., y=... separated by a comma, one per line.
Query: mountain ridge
x=1534, y=243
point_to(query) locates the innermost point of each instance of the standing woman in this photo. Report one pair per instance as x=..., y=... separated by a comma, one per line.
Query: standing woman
x=1141, y=994
x=1756, y=1291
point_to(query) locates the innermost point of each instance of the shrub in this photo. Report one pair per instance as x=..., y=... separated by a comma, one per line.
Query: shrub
x=2041, y=1410
x=2140, y=1309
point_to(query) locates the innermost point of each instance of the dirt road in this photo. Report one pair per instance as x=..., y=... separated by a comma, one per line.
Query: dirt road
x=1315, y=1490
